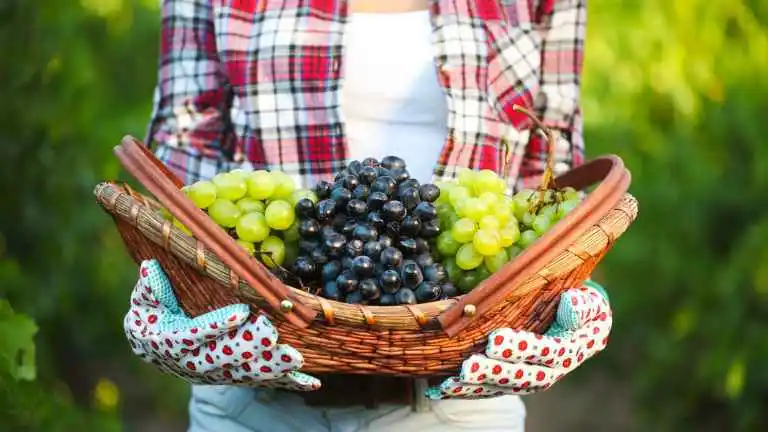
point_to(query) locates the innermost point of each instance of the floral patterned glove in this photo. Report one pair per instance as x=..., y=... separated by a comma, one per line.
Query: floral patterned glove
x=225, y=346
x=520, y=362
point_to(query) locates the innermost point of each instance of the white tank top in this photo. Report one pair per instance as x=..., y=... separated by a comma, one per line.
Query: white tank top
x=391, y=99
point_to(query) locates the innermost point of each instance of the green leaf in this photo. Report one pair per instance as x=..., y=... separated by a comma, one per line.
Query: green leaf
x=17, y=345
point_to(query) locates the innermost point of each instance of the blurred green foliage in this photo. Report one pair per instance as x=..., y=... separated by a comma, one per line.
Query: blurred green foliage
x=676, y=88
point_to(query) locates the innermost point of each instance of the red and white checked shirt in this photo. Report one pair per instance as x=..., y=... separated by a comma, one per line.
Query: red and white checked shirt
x=257, y=81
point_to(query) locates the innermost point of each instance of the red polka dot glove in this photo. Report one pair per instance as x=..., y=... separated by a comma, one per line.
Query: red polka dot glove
x=225, y=346
x=520, y=362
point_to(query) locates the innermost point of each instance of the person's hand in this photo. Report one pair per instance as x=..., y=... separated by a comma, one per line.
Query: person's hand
x=225, y=346
x=520, y=362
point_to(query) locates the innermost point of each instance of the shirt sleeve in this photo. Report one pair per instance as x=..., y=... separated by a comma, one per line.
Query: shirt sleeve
x=562, y=26
x=191, y=95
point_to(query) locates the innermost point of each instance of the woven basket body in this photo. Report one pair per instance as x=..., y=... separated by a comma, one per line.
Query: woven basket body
x=421, y=340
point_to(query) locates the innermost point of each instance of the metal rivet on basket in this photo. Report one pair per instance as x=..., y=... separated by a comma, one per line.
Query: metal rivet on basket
x=286, y=306
x=470, y=310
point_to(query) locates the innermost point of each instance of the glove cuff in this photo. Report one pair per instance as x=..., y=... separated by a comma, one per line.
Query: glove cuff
x=599, y=288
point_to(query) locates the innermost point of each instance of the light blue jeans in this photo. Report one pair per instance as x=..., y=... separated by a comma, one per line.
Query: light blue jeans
x=235, y=409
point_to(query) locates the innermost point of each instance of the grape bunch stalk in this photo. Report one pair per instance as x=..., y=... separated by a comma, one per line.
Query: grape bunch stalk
x=367, y=239
x=256, y=208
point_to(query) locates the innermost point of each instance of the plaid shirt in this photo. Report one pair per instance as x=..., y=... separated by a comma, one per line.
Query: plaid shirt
x=256, y=82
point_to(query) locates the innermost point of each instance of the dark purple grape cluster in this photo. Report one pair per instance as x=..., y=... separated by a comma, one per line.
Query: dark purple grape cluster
x=369, y=239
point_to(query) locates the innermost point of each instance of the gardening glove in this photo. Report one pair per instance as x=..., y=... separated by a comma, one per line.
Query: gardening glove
x=227, y=346
x=521, y=362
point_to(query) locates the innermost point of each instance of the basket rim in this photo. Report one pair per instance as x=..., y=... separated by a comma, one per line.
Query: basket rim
x=607, y=172
x=142, y=212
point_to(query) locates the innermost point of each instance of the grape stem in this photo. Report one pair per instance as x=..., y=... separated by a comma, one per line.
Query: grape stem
x=283, y=273
x=547, y=178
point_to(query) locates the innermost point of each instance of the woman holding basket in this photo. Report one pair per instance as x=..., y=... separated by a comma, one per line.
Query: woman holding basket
x=304, y=86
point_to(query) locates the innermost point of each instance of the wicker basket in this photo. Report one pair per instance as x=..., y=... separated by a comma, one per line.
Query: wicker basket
x=210, y=271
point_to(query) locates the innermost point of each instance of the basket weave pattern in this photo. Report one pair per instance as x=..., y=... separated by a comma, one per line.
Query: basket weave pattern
x=344, y=338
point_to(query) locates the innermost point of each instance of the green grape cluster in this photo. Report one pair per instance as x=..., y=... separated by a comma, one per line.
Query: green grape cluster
x=483, y=226
x=256, y=208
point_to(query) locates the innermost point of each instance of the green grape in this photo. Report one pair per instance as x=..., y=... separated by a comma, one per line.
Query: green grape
x=279, y=215
x=550, y=211
x=494, y=263
x=252, y=227
x=240, y=172
x=284, y=185
x=250, y=205
x=177, y=223
x=466, y=282
x=482, y=273
x=467, y=257
x=261, y=185
x=229, y=186
x=224, y=212
x=202, y=193
x=448, y=220
x=571, y=194
x=457, y=195
x=463, y=230
x=453, y=270
x=466, y=178
x=489, y=198
x=475, y=209
x=542, y=223
x=291, y=253
x=445, y=189
x=509, y=234
x=527, y=238
x=503, y=210
x=487, y=181
x=291, y=235
x=490, y=222
x=524, y=196
x=299, y=194
x=487, y=242
x=273, y=252
x=248, y=246
x=446, y=244
x=522, y=201
x=443, y=208
x=514, y=251
x=565, y=207
x=460, y=207
x=528, y=219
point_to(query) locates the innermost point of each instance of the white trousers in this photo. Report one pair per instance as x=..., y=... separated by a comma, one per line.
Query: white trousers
x=234, y=409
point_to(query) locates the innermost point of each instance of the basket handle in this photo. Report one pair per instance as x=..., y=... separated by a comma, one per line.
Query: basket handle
x=614, y=182
x=166, y=187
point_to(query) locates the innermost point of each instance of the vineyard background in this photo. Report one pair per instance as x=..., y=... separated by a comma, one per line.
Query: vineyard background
x=677, y=88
